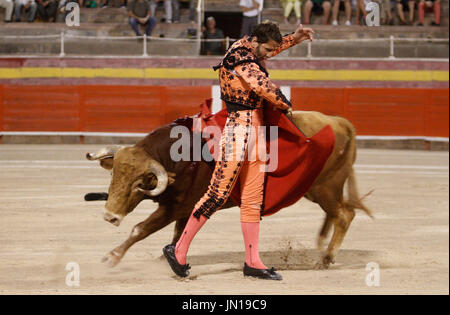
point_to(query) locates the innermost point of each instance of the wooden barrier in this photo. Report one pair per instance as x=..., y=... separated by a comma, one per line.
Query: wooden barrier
x=1, y=108
x=124, y=108
x=94, y=108
x=381, y=111
x=40, y=108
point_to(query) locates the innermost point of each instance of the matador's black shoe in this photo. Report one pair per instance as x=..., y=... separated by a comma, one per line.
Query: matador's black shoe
x=180, y=270
x=268, y=274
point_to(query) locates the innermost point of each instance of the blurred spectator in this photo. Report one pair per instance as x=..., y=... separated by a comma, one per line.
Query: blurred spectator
x=140, y=14
x=62, y=3
x=105, y=3
x=80, y=2
x=61, y=7
x=360, y=10
x=167, y=8
x=342, y=5
x=385, y=12
x=292, y=4
x=176, y=10
x=250, y=10
x=430, y=5
x=211, y=32
x=47, y=9
x=90, y=4
x=9, y=7
x=28, y=6
x=406, y=5
x=318, y=7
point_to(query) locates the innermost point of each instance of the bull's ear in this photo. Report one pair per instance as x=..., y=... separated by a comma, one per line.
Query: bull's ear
x=107, y=164
x=171, y=177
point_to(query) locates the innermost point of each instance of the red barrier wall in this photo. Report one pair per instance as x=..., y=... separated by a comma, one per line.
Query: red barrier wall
x=381, y=111
x=95, y=108
x=106, y=108
x=1, y=108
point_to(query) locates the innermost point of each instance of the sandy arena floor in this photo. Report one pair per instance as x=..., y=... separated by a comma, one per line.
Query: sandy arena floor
x=45, y=224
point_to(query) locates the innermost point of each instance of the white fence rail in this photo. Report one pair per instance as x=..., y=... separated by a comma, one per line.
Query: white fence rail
x=63, y=37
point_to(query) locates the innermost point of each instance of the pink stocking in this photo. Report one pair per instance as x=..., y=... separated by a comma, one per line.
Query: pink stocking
x=250, y=230
x=191, y=228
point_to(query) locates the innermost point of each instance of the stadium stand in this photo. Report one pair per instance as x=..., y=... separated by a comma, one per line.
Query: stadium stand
x=113, y=21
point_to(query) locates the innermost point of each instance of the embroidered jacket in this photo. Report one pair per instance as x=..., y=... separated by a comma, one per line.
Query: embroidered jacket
x=244, y=80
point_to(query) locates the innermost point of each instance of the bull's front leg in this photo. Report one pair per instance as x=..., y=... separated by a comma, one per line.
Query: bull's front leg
x=156, y=221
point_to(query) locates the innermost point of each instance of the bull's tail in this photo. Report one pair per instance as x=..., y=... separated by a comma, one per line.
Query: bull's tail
x=354, y=201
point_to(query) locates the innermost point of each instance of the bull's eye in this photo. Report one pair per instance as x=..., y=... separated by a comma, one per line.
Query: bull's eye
x=140, y=185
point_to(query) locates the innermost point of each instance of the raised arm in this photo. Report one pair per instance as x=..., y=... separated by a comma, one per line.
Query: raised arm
x=295, y=38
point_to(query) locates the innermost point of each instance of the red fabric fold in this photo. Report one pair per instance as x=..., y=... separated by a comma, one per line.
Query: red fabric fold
x=300, y=159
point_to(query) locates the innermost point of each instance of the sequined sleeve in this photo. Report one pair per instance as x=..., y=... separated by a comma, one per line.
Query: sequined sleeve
x=288, y=42
x=259, y=82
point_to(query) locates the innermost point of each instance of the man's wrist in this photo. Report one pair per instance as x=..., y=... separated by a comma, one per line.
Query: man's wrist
x=298, y=39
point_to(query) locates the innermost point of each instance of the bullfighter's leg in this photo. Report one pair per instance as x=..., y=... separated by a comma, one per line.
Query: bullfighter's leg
x=233, y=145
x=179, y=227
x=252, y=179
x=156, y=221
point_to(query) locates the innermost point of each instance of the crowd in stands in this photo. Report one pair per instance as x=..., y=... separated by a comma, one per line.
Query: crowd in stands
x=302, y=10
x=141, y=13
x=331, y=9
x=47, y=10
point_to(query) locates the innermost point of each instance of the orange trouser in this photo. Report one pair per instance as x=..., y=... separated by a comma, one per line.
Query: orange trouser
x=242, y=155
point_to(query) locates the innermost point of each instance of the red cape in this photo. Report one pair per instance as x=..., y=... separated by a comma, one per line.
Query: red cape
x=300, y=159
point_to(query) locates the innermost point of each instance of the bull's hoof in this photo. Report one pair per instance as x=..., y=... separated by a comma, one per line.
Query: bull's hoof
x=325, y=263
x=111, y=259
x=327, y=260
x=321, y=266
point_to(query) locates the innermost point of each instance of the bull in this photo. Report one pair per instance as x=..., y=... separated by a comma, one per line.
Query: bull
x=146, y=171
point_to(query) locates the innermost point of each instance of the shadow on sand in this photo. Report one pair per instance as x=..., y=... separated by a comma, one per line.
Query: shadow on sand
x=303, y=259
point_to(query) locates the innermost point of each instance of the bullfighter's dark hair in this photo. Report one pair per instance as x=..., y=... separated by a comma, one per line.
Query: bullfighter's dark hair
x=267, y=31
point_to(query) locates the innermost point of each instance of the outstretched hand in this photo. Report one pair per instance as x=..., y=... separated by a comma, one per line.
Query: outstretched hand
x=302, y=34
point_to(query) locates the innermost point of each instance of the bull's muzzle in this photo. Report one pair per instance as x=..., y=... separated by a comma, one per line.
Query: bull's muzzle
x=111, y=218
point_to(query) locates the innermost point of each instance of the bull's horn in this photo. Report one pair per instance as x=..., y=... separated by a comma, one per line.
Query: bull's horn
x=104, y=153
x=161, y=176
